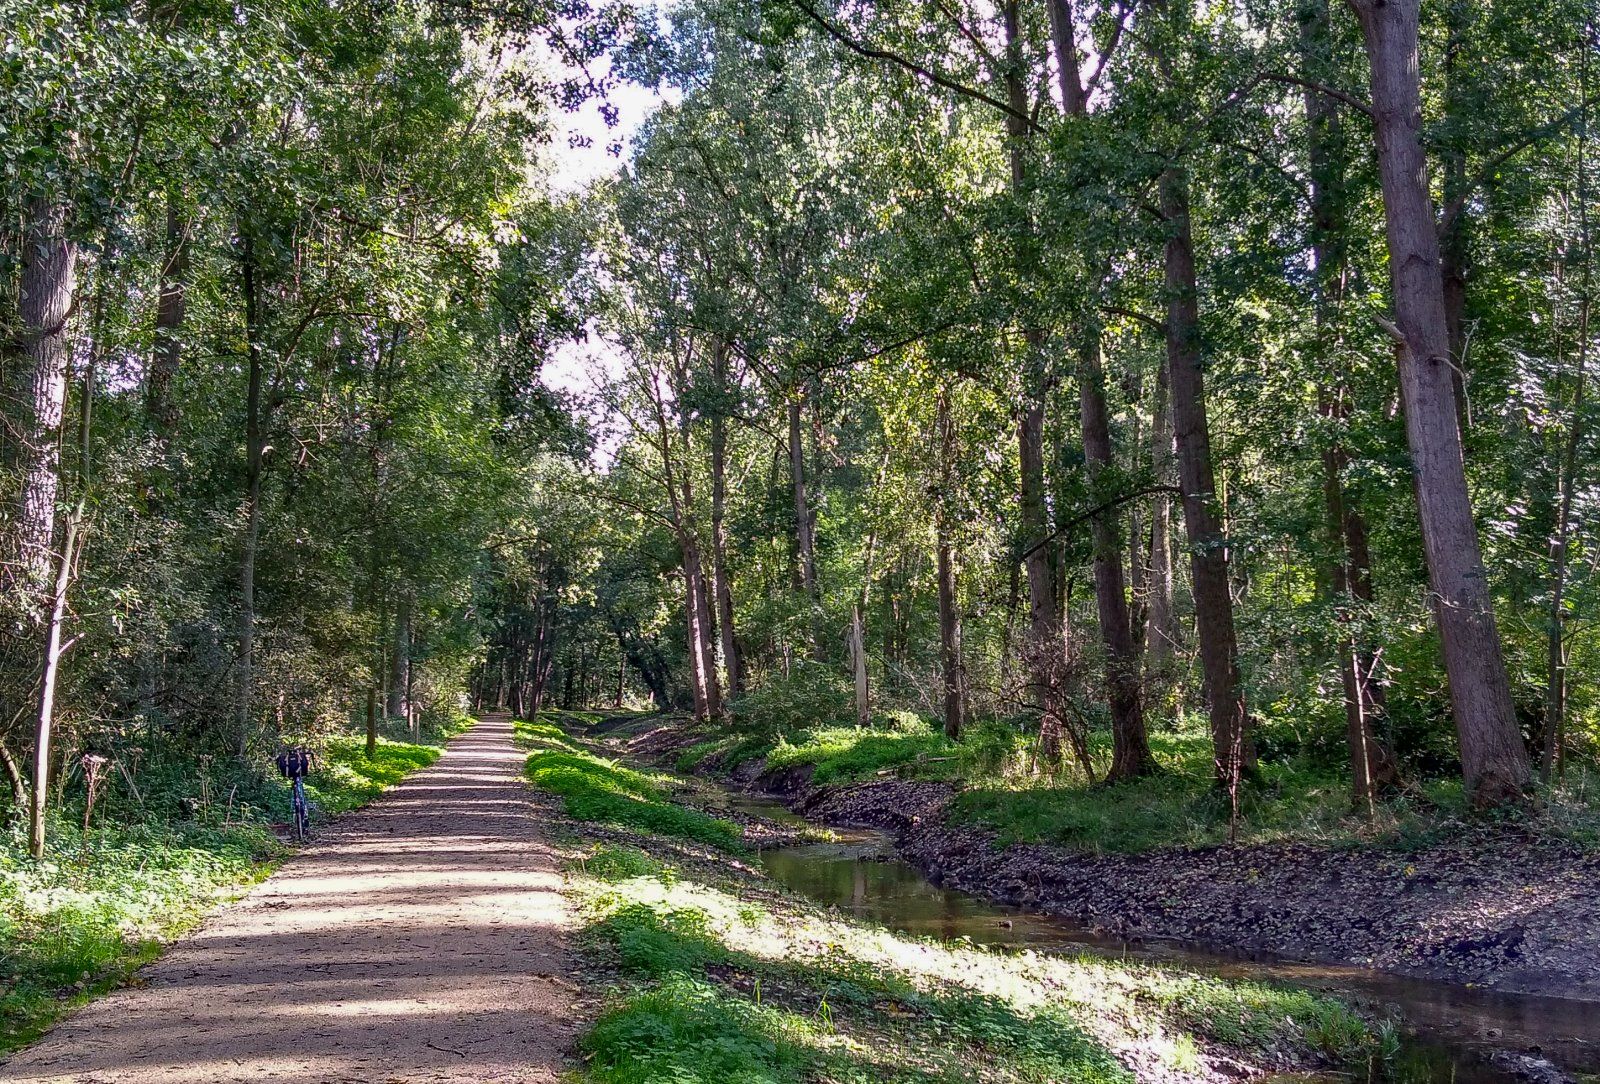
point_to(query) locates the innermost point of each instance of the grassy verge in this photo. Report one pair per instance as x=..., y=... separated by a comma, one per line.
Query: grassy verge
x=1296, y=797
x=601, y=791
x=720, y=975
x=105, y=901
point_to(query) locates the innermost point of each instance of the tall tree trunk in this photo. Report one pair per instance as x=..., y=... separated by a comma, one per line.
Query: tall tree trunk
x=255, y=448
x=1555, y=710
x=1233, y=750
x=1349, y=578
x=622, y=673
x=702, y=671
x=1493, y=760
x=45, y=719
x=858, y=663
x=804, y=524
x=1454, y=255
x=950, y=664
x=722, y=585
x=54, y=649
x=1161, y=625
x=37, y=389
x=160, y=407
x=400, y=657
x=1130, y=746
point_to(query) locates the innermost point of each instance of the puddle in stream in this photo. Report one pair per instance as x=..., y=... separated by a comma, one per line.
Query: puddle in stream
x=858, y=875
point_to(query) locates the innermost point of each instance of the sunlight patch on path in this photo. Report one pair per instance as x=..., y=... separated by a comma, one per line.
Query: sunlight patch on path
x=422, y=939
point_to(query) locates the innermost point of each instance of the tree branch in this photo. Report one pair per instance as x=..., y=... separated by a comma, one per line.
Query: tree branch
x=1321, y=88
x=873, y=52
x=1083, y=517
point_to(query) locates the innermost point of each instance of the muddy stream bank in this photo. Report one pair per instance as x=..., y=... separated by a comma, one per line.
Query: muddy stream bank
x=1488, y=909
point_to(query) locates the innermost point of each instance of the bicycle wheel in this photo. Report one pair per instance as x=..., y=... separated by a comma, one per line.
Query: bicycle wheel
x=301, y=815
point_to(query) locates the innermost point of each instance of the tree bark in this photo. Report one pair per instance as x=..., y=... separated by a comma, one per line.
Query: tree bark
x=1555, y=712
x=400, y=658
x=255, y=446
x=1349, y=577
x=1233, y=750
x=1455, y=258
x=37, y=388
x=1130, y=746
x=161, y=408
x=722, y=585
x=1493, y=760
x=858, y=658
x=804, y=524
x=950, y=664
x=1161, y=626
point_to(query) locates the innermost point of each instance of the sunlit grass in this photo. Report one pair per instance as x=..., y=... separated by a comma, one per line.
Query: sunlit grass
x=1001, y=788
x=726, y=966
x=600, y=791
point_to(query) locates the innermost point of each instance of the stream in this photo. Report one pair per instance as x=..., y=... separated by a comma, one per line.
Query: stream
x=1452, y=1026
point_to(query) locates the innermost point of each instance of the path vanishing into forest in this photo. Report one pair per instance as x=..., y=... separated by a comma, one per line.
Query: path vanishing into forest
x=420, y=939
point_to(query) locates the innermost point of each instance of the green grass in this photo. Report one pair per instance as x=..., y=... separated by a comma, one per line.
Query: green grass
x=732, y=981
x=603, y=792
x=104, y=902
x=1293, y=798
x=720, y=975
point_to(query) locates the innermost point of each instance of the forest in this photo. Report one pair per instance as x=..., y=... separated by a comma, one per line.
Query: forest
x=1143, y=425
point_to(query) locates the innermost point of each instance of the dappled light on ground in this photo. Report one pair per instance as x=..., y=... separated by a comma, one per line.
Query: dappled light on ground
x=420, y=940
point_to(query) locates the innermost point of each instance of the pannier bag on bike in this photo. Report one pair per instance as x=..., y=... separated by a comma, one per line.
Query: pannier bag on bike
x=294, y=763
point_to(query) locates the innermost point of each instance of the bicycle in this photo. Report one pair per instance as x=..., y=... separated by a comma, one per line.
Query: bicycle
x=293, y=764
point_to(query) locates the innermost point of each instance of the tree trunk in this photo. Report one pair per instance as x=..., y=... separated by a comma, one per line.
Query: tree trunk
x=47, y=691
x=1130, y=747
x=1208, y=552
x=1349, y=578
x=1454, y=255
x=858, y=658
x=950, y=655
x=622, y=673
x=692, y=607
x=1493, y=760
x=160, y=407
x=1161, y=626
x=400, y=658
x=1555, y=638
x=802, y=504
x=722, y=586
x=255, y=446
x=372, y=719
x=37, y=386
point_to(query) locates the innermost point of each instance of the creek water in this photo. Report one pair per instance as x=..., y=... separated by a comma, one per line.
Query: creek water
x=1451, y=1025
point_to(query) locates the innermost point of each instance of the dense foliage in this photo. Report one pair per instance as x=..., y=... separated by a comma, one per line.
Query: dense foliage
x=1066, y=364
x=1057, y=368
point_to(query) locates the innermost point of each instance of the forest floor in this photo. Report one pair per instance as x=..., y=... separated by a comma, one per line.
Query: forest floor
x=1507, y=905
x=424, y=938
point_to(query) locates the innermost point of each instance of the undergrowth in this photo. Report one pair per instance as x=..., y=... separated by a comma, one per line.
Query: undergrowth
x=104, y=901
x=1294, y=798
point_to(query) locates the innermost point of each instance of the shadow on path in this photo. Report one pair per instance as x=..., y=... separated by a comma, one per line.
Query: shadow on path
x=421, y=939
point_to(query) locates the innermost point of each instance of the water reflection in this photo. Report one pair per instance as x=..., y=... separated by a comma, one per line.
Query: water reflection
x=858, y=875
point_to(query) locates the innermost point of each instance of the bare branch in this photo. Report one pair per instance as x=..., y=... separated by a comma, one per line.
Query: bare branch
x=873, y=52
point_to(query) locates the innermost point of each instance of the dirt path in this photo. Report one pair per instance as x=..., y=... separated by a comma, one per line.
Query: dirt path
x=421, y=939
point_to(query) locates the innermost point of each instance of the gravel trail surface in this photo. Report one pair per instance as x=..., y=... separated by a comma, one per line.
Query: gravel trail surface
x=423, y=938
